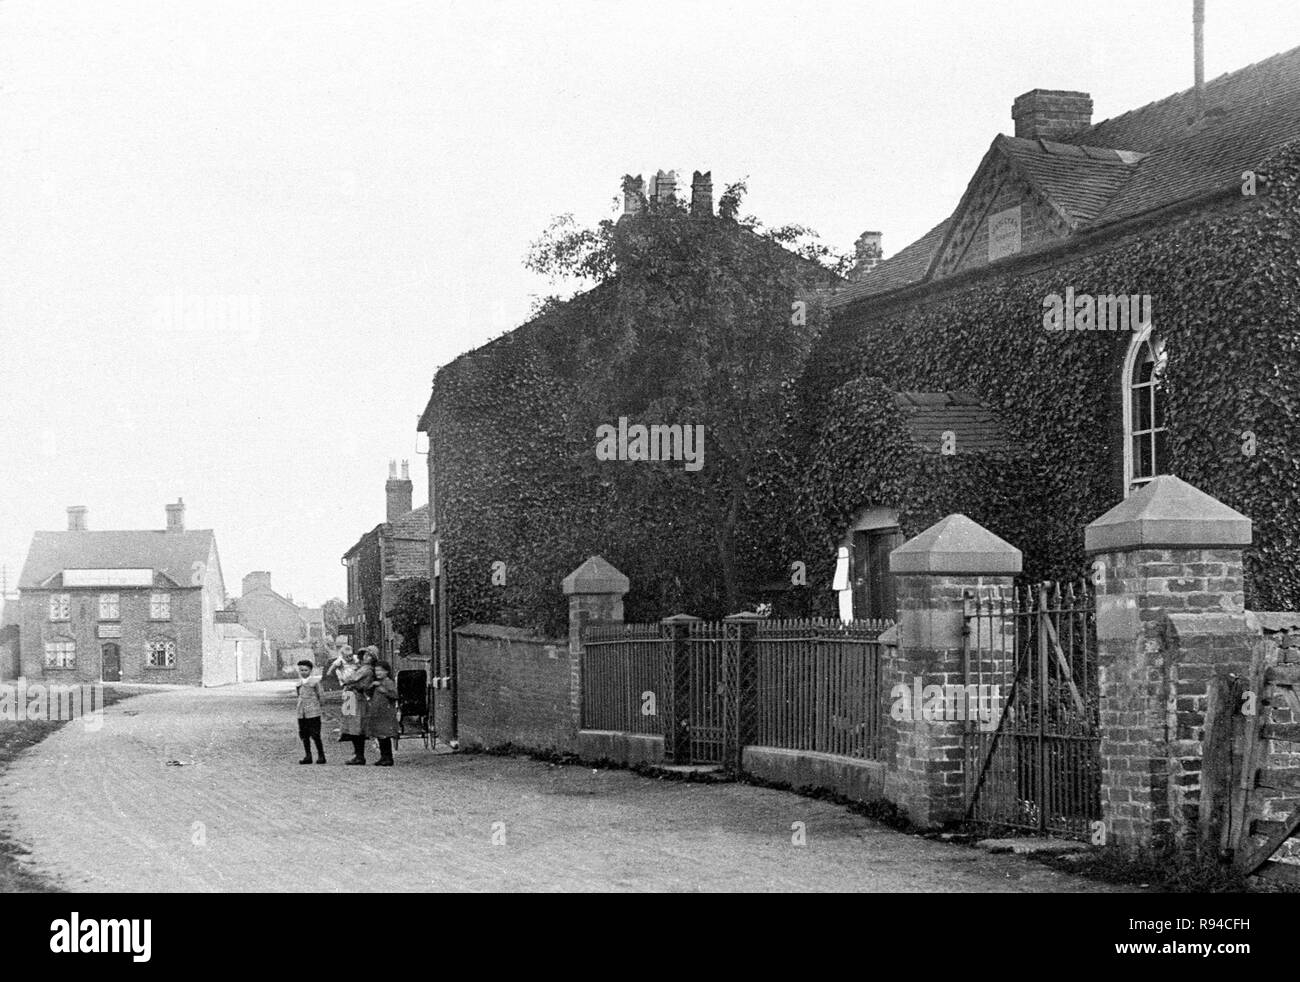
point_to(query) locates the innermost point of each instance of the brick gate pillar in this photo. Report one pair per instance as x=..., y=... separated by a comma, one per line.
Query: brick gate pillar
x=595, y=591
x=932, y=573
x=1170, y=617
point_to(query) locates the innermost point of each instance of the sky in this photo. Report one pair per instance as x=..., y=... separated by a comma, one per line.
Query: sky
x=238, y=239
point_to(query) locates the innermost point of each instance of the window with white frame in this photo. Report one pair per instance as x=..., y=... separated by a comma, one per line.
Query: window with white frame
x=162, y=654
x=60, y=654
x=110, y=606
x=60, y=606
x=1146, y=451
x=160, y=607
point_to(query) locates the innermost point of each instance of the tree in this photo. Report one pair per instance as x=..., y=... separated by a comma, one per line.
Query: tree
x=409, y=612
x=335, y=612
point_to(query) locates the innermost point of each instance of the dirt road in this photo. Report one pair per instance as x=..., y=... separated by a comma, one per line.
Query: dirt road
x=200, y=790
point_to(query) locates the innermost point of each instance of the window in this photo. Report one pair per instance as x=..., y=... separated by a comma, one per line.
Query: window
x=162, y=654
x=1146, y=451
x=109, y=606
x=60, y=606
x=160, y=607
x=60, y=654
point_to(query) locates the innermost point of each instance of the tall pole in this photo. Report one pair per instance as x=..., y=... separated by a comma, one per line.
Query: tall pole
x=1198, y=43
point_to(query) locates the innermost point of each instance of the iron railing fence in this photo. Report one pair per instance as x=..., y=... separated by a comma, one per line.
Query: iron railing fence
x=819, y=687
x=712, y=688
x=625, y=676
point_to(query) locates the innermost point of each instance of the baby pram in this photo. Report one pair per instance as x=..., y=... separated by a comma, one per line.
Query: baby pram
x=412, y=705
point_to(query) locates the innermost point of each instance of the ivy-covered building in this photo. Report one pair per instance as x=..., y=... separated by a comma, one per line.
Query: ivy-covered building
x=1118, y=299
x=538, y=455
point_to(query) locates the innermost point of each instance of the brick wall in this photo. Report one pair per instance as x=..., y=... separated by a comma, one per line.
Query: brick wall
x=514, y=688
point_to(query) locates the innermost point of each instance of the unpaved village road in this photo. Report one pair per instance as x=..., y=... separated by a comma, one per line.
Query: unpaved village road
x=233, y=810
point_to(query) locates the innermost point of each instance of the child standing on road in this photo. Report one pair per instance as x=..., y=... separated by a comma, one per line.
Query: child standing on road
x=381, y=713
x=309, y=712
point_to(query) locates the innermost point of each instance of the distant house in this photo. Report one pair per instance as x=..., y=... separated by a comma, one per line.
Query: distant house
x=286, y=626
x=382, y=561
x=130, y=606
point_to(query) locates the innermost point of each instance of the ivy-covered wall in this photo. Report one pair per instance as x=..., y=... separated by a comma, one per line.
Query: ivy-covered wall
x=698, y=327
x=516, y=479
x=1224, y=282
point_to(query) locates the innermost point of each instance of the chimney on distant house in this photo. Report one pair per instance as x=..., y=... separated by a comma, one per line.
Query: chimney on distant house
x=258, y=580
x=702, y=194
x=77, y=518
x=1051, y=114
x=398, y=490
x=176, y=516
x=867, y=253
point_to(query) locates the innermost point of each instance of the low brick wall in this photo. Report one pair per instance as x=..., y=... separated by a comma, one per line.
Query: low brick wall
x=861, y=780
x=514, y=687
x=621, y=748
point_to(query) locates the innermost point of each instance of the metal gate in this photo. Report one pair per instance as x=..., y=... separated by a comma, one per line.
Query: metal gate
x=1036, y=763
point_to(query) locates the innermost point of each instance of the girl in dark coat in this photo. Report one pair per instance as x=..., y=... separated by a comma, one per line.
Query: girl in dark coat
x=381, y=713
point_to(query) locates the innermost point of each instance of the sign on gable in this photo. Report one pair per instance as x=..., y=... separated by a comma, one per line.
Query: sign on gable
x=1004, y=233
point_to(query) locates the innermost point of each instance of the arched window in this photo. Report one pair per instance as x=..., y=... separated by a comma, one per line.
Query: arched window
x=1146, y=451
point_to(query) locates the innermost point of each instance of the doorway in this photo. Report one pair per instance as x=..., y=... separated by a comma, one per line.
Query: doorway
x=873, y=585
x=111, y=661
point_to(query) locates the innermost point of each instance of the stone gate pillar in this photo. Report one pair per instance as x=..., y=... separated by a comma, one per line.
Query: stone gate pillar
x=1170, y=617
x=932, y=573
x=595, y=591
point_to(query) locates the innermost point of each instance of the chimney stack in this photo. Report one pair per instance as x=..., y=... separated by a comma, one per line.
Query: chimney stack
x=398, y=491
x=1051, y=114
x=1198, y=54
x=663, y=187
x=702, y=194
x=176, y=516
x=258, y=580
x=633, y=194
x=77, y=518
x=867, y=253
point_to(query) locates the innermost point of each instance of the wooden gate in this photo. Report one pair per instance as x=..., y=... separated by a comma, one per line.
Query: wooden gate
x=1035, y=764
x=1252, y=765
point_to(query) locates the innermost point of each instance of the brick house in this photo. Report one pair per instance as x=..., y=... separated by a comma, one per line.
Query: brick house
x=286, y=627
x=382, y=561
x=1103, y=294
x=130, y=606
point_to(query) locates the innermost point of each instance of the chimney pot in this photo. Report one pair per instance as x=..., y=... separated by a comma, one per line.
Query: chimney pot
x=176, y=516
x=77, y=518
x=1051, y=114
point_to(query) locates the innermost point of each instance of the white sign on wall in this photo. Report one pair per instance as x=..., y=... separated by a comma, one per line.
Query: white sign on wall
x=108, y=577
x=110, y=630
x=1004, y=233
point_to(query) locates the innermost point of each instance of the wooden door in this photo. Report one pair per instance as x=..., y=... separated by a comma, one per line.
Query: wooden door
x=111, y=656
x=873, y=584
